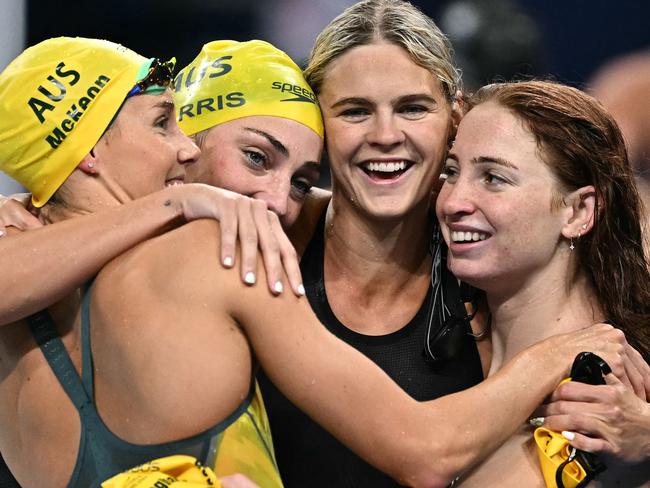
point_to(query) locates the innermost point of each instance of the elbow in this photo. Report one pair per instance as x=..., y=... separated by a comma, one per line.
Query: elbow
x=431, y=465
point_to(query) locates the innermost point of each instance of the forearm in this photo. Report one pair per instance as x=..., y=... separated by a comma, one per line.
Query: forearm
x=41, y=266
x=420, y=444
x=470, y=425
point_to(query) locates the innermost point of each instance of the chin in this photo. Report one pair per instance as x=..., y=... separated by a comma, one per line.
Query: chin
x=390, y=210
x=470, y=273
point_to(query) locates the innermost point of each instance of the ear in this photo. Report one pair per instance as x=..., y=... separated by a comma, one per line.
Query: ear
x=89, y=163
x=581, y=207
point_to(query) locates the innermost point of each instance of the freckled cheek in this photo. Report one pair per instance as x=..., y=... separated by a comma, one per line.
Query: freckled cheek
x=515, y=229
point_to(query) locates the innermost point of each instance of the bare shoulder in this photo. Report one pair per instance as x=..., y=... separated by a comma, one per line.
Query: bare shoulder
x=302, y=231
x=182, y=264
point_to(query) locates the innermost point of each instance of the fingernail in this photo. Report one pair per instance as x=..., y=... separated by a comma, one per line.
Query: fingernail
x=536, y=421
x=301, y=290
x=568, y=435
x=2, y=233
x=227, y=261
x=278, y=287
x=250, y=278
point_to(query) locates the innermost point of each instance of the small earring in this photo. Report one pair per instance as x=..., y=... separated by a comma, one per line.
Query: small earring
x=91, y=164
x=571, y=246
x=584, y=226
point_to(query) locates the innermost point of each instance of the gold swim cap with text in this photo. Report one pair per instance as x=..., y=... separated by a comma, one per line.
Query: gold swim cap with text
x=56, y=100
x=229, y=80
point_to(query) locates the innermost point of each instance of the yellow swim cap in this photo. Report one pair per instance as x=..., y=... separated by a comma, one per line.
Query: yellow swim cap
x=229, y=80
x=56, y=100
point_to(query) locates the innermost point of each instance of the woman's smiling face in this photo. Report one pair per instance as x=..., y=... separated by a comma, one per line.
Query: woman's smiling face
x=500, y=205
x=387, y=123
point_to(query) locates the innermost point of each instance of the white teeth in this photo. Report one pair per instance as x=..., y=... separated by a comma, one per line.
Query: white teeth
x=457, y=236
x=174, y=183
x=386, y=167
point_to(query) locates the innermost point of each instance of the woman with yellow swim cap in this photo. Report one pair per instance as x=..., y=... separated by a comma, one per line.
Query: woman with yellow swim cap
x=92, y=126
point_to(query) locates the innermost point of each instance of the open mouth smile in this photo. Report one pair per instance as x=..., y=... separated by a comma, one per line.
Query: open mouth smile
x=460, y=236
x=391, y=170
x=175, y=181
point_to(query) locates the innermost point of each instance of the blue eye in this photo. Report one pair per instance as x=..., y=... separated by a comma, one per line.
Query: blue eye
x=413, y=111
x=256, y=158
x=355, y=113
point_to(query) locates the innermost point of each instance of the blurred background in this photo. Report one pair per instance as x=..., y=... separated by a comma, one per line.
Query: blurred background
x=571, y=40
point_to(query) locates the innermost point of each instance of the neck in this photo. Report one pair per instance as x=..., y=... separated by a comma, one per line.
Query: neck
x=538, y=311
x=368, y=249
x=371, y=264
x=80, y=195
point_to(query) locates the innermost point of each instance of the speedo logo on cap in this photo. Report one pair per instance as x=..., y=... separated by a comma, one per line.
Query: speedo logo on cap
x=301, y=94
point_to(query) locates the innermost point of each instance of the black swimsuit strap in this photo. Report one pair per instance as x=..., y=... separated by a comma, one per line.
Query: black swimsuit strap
x=87, y=374
x=48, y=339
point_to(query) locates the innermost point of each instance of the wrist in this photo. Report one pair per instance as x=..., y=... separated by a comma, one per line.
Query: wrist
x=546, y=361
x=175, y=200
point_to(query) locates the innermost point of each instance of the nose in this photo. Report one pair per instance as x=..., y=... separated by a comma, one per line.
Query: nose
x=385, y=130
x=456, y=199
x=188, y=151
x=276, y=196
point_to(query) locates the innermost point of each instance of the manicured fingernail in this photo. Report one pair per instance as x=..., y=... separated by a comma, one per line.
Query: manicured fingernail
x=250, y=278
x=227, y=261
x=536, y=421
x=2, y=233
x=568, y=435
x=301, y=290
x=278, y=287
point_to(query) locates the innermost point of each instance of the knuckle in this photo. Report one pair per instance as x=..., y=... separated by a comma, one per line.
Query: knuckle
x=249, y=239
x=290, y=253
x=617, y=365
x=578, y=421
x=616, y=414
x=619, y=336
x=615, y=449
x=271, y=246
x=559, y=407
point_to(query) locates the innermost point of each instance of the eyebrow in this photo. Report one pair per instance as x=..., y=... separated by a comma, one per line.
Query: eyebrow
x=403, y=99
x=494, y=159
x=486, y=160
x=166, y=104
x=417, y=97
x=351, y=101
x=274, y=142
